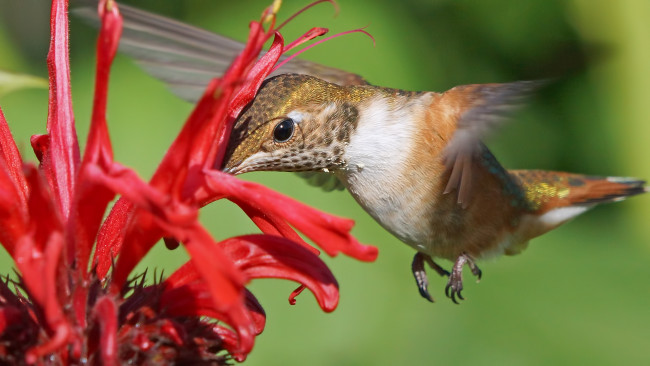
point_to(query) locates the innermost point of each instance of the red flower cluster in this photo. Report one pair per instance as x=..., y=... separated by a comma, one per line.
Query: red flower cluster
x=70, y=307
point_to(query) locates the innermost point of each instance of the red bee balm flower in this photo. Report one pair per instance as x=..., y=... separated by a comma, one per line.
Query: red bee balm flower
x=69, y=308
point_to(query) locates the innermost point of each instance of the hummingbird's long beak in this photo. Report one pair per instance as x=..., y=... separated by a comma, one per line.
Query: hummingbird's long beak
x=232, y=167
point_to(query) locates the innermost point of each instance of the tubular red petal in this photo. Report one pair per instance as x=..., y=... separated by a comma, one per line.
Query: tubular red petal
x=91, y=199
x=191, y=282
x=13, y=191
x=110, y=237
x=38, y=256
x=14, y=220
x=14, y=163
x=331, y=233
x=169, y=329
x=230, y=342
x=311, y=34
x=273, y=225
x=259, y=71
x=154, y=215
x=62, y=160
x=40, y=273
x=264, y=256
x=191, y=147
x=244, y=96
x=257, y=37
x=108, y=40
x=137, y=228
x=194, y=299
x=32, y=264
x=105, y=314
x=208, y=126
x=224, y=282
x=126, y=182
x=140, y=236
x=89, y=204
x=139, y=225
x=40, y=145
x=295, y=293
x=57, y=341
x=45, y=219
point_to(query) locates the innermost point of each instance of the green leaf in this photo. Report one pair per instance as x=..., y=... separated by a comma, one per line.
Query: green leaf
x=10, y=82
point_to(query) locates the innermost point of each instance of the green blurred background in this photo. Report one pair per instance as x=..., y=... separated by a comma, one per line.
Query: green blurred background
x=578, y=295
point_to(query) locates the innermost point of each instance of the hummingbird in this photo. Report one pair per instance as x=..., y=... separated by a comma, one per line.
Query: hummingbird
x=414, y=161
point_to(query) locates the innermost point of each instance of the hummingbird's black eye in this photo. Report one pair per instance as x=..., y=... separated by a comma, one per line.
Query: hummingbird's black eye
x=284, y=130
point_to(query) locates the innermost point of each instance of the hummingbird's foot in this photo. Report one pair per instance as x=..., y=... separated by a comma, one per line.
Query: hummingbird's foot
x=475, y=270
x=421, y=275
x=455, y=285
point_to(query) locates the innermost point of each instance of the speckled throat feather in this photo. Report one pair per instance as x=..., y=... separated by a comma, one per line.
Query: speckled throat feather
x=332, y=113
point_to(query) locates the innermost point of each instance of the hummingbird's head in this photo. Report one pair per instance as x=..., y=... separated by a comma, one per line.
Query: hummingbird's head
x=295, y=123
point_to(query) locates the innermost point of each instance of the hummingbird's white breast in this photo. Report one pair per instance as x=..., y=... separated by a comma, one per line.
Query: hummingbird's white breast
x=378, y=170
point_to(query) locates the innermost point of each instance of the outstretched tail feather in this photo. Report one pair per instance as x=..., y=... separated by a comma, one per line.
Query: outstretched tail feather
x=613, y=189
x=546, y=190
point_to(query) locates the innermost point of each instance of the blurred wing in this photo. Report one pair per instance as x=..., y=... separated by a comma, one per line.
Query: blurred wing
x=186, y=58
x=488, y=107
x=327, y=181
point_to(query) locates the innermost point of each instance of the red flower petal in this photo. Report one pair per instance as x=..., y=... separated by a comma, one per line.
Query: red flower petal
x=230, y=341
x=110, y=237
x=173, y=176
x=45, y=218
x=105, y=314
x=91, y=199
x=263, y=256
x=224, y=282
x=273, y=225
x=157, y=217
x=309, y=35
x=137, y=226
x=14, y=163
x=258, y=256
x=194, y=299
x=61, y=161
x=330, y=232
x=38, y=254
x=13, y=191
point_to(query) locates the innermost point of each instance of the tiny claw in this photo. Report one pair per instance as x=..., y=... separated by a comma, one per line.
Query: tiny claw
x=475, y=270
x=424, y=293
x=451, y=293
x=421, y=280
x=455, y=284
